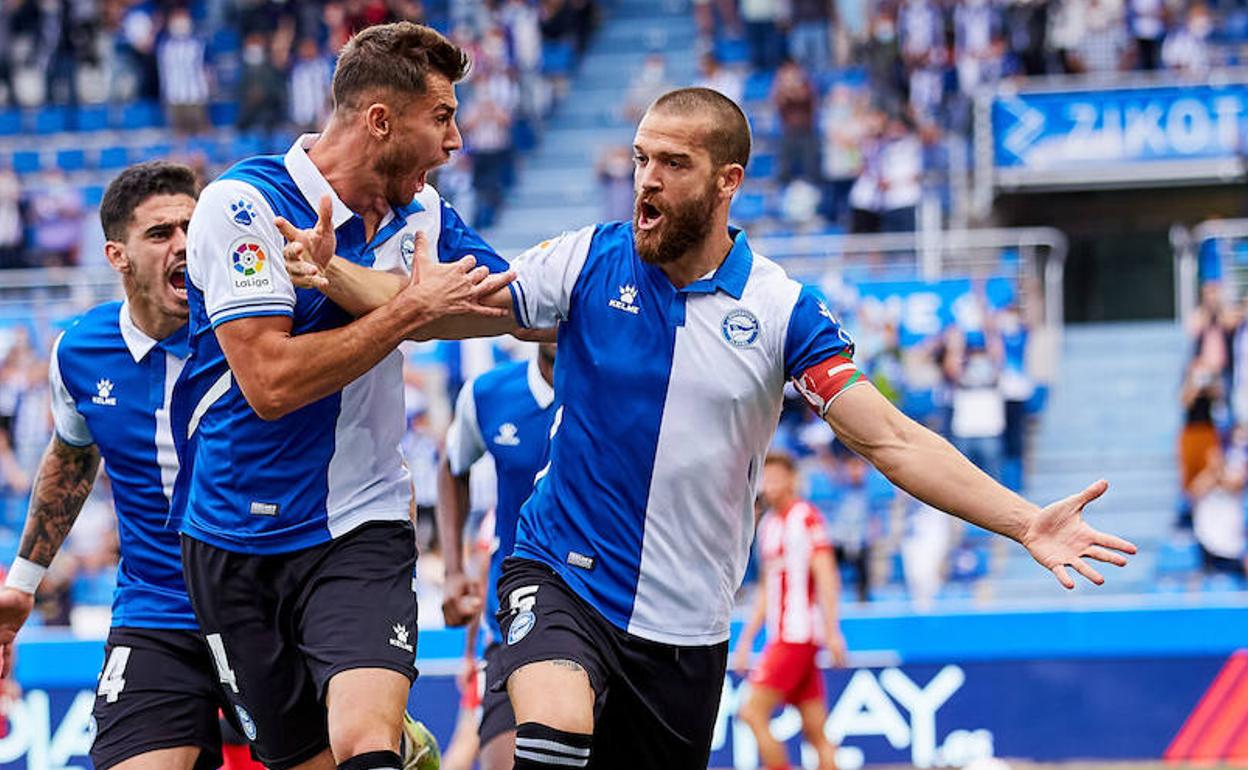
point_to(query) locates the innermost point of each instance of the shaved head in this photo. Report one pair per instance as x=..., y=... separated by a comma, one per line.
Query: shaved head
x=726, y=132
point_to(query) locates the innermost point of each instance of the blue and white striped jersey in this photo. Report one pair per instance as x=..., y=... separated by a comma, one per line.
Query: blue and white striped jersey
x=317, y=473
x=111, y=386
x=505, y=412
x=666, y=403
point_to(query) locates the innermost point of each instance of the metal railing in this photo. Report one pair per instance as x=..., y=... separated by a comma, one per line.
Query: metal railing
x=1187, y=244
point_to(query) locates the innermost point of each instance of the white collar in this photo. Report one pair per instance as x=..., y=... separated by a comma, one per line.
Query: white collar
x=543, y=392
x=311, y=182
x=137, y=341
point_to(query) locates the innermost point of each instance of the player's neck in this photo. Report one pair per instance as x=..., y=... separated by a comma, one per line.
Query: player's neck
x=150, y=319
x=706, y=257
x=784, y=504
x=349, y=172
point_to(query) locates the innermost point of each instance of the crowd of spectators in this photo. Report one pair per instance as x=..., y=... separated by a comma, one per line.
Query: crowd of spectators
x=1213, y=442
x=866, y=95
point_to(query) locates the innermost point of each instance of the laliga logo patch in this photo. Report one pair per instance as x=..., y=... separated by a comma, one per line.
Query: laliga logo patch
x=249, y=268
x=740, y=328
x=521, y=626
x=407, y=248
x=245, y=721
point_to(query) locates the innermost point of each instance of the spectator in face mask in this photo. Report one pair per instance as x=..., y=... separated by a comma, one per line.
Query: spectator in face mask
x=1187, y=48
x=261, y=88
x=183, y=75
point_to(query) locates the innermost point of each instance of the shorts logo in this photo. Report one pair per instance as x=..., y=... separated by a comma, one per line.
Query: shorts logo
x=249, y=267
x=521, y=626
x=740, y=328
x=243, y=212
x=407, y=248
x=245, y=721
x=400, y=638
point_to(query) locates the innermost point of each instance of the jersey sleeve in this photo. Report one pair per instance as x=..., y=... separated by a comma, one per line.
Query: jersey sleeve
x=818, y=352
x=545, y=277
x=464, y=443
x=457, y=240
x=236, y=259
x=71, y=426
x=817, y=530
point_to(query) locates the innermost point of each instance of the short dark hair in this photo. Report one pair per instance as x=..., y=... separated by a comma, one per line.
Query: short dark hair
x=135, y=185
x=396, y=56
x=728, y=138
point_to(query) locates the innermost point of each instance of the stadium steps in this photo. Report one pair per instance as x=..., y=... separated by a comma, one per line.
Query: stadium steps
x=556, y=187
x=1113, y=412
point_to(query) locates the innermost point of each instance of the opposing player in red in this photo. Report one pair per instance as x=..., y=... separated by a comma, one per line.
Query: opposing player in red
x=797, y=599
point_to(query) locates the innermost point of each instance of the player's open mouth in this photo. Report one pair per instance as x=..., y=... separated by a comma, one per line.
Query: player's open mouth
x=648, y=216
x=177, y=280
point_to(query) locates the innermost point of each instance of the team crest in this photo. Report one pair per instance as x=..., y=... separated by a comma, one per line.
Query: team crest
x=243, y=212
x=245, y=721
x=740, y=328
x=521, y=626
x=407, y=249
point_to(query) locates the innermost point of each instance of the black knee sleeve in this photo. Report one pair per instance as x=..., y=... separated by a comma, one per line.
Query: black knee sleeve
x=373, y=760
x=539, y=747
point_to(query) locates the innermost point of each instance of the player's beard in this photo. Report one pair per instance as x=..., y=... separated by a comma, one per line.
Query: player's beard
x=685, y=225
x=395, y=164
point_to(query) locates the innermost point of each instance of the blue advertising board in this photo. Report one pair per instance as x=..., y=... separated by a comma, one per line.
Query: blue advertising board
x=938, y=690
x=1091, y=137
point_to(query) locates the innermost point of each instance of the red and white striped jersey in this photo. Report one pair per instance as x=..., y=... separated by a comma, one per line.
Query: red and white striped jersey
x=787, y=541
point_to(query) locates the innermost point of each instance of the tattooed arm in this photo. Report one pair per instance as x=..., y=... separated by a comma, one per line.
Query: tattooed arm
x=65, y=477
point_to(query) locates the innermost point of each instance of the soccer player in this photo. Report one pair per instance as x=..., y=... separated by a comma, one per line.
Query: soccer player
x=297, y=548
x=797, y=597
x=506, y=412
x=675, y=340
x=111, y=375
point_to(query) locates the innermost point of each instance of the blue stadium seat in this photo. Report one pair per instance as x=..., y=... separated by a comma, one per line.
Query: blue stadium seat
x=10, y=122
x=246, y=145
x=748, y=207
x=92, y=117
x=556, y=59
x=159, y=151
x=71, y=160
x=92, y=195
x=141, y=115
x=113, y=157
x=762, y=166
x=731, y=51
x=1178, y=557
x=26, y=161
x=757, y=86
x=223, y=114
x=52, y=120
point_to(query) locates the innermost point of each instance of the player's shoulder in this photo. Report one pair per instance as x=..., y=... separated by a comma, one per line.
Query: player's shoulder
x=93, y=329
x=250, y=191
x=499, y=378
x=768, y=280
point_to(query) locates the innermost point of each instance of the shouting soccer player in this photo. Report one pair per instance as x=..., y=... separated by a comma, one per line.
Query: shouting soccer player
x=675, y=341
x=797, y=598
x=112, y=373
x=297, y=548
x=507, y=413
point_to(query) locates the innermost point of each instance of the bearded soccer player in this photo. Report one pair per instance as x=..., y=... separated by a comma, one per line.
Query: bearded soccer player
x=675, y=341
x=797, y=598
x=297, y=548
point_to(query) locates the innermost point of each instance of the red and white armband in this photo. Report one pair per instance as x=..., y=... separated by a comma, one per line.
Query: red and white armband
x=822, y=383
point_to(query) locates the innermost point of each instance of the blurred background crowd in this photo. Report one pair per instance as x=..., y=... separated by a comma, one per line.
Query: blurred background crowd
x=863, y=113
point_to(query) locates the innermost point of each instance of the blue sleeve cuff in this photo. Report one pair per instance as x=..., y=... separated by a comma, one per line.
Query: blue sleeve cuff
x=256, y=313
x=517, y=304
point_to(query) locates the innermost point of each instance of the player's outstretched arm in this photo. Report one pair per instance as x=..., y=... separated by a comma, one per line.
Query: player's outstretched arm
x=930, y=469
x=828, y=593
x=461, y=601
x=279, y=372
x=63, y=482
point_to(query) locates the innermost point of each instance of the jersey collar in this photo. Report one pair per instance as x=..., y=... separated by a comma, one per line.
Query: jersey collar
x=139, y=344
x=543, y=392
x=733, y=272
x=311, y=183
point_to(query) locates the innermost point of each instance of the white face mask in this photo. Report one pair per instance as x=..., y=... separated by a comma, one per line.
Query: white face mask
x=253, y=55
x=180, y=26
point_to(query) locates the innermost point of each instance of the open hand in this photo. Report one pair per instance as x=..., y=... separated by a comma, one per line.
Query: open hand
x=307, y=252
x=1059, y=537
x=455, y=288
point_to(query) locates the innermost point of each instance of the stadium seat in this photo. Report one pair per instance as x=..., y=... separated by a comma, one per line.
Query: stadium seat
x=557, y=59
x=93, y=117
x=1178, y=558
x=245, y=145
x=113, y=157
x=762, y=166
x=141, y=115
x=71, y=160
x=10, y=122
x=92, y=195
x=757, y=86
x=26, y=161
x=159, y=151
x=223, y=114
x=52, y=120
x=730, y=51
x=748, y=207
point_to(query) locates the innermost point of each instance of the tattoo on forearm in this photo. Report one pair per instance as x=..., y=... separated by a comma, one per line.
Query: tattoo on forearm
x=66, y=475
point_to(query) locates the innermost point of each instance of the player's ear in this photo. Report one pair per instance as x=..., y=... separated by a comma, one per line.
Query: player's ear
x=378, y=119
x=730, y=178
x=115, y=252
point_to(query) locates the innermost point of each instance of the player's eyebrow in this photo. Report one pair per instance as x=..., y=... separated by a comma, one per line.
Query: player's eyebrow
x=164, y=228
x=683, y=157
x=446, y=107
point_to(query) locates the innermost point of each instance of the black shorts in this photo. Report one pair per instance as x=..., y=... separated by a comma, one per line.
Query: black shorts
x=279, y=626
x=496, y=714
x=158, y=690
x=655, y=704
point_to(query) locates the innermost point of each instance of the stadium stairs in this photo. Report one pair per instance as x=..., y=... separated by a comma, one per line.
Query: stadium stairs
x=557, y=187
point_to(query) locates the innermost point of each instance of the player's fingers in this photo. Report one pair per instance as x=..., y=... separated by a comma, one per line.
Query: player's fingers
x=467, y=264
x=1083, y=568
x=421, y=251
x=477, y=275
x=325, y=216
x=1105, y=555
x=1113, y=541
x=495, y=281
x=1063, y=576
x=288, y=231
x=1094, y=490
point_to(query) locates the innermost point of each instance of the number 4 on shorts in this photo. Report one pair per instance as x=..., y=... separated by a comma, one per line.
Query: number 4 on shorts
x=113, y=677
x=224, y=672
